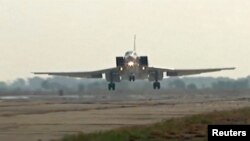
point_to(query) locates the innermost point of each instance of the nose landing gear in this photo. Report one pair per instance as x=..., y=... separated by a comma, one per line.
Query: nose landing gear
x=132, y=78
x=156, y=85
x=111, y=86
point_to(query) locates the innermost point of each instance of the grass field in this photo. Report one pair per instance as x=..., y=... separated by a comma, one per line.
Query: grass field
x=192, y=128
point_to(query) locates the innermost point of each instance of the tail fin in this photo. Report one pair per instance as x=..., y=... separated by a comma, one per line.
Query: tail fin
x=134, y=43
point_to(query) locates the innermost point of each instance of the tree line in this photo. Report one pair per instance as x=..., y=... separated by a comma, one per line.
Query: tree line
x=80, y=85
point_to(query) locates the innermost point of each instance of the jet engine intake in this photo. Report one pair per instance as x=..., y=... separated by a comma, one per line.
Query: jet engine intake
x=143, y=61
x=120, y=61
x=155, y=76
x=112, y=77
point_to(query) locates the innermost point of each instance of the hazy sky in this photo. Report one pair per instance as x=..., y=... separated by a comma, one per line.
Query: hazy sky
x=84, y=35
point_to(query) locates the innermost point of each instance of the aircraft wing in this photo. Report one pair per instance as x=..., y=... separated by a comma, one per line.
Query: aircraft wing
x=182, y=72
x=89, y=74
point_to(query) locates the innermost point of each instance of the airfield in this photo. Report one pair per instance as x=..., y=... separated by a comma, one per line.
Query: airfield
x=45, y=117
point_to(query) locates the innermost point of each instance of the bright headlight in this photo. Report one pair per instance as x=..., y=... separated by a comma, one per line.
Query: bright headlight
x=130, y=63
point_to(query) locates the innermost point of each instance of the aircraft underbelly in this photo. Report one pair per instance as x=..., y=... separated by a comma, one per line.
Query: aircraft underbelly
x=136, y=72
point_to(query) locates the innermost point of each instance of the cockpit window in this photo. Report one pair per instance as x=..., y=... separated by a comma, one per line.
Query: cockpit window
x=128, y=53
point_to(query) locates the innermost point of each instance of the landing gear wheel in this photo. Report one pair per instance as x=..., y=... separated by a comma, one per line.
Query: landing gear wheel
x=111, y=86
x=156, y=85
x=131, y=78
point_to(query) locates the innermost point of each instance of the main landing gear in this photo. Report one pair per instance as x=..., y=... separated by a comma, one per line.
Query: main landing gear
x=111, y=86
x=132, y=78
x=156, y=85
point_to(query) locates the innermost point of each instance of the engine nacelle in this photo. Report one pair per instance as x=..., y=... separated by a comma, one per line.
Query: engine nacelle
x=120, y=61
x=155, y=76
x=144, y=61
x=113, y=77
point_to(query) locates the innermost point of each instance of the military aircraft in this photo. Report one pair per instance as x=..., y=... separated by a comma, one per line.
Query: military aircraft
x=132, y=67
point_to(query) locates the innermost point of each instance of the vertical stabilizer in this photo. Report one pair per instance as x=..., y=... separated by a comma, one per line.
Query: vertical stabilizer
x=134, y=43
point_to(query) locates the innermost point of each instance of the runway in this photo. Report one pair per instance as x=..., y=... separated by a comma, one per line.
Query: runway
x=33, y=118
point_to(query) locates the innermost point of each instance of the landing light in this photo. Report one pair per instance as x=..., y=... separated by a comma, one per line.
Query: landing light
x=143, y=68
x=121, y=68
x=131, y=63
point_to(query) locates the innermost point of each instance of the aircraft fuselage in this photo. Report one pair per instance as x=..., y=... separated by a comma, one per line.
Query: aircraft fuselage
x=132, y=69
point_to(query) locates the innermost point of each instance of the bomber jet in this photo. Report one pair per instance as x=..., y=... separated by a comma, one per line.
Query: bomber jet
x=132, y=67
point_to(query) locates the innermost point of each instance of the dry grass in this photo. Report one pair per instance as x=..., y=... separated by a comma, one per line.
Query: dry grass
x=193, y=128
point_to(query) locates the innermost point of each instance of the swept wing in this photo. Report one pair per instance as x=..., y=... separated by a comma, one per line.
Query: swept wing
x=182, y=72
x=89, y=74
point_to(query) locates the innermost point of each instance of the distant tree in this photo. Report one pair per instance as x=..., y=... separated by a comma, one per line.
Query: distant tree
x=3, y=86
x=222, y=85
x=232, y=84
x=54, y=86
x=241, y=84
x=18, y=84
x=60, y=92
x=81, y=87
x=177, y=84
x=45, y=85
x=191, y=86
x=35, y=83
